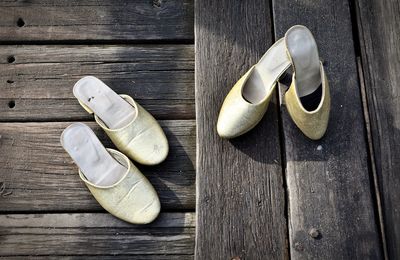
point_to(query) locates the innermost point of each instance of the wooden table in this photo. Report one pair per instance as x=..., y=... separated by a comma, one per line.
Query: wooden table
x=270, y=194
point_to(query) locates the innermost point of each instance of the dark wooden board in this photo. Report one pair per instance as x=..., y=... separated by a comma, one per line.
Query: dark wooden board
x=240, y=195
x=328, y=183
x=38, y=175
x=95, y=234
x=40, y=79
x=93, y=20
x=109, y=257
x=379, y=33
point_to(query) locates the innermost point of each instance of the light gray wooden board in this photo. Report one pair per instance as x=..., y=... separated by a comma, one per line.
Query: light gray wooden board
x=38, y=175
x=240, y=195
x=95, y=234
x=379, y=32
x=329, y=187
x=374, y=176
x=40, y=80
x=96, y=20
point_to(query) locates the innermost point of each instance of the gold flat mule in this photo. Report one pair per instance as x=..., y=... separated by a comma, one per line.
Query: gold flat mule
x=118, y=186
x=132, y=129
x=132, y=199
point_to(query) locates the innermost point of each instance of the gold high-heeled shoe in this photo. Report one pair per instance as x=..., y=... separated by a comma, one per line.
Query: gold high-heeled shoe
x=248, y=100
x=132, y=129
x=308, y=98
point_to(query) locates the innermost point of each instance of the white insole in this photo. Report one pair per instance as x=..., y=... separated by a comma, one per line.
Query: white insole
x=113, y=110
x=266, y=72
x=303, y=50
x=94, y=161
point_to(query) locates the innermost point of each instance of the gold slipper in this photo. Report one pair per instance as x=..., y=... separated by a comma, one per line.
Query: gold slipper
x=118, y=186
x=308, y=98
x=248, y=100
x=132, y=129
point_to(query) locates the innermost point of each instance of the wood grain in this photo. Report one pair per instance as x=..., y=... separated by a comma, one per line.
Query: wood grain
x=109, y=257
x=95, y=234
x=380, y=57
x=40, y=79
x=38, y=175
x=93, y=20
x=331, y=207
x=240, y=195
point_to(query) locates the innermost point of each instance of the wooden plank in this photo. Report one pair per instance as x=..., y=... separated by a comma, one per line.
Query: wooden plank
x=108, y=257
x=76, y=20
x=39, y=109
x=379, y=213
x=39, y=80
x=38, y=175
x=378, y=26
x=92, y=220
x=94, y=234
x=331, y=209
x=240, y=195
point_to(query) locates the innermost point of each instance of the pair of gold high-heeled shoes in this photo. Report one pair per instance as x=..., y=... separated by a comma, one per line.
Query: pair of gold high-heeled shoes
x=111, y=177
x=307, y=99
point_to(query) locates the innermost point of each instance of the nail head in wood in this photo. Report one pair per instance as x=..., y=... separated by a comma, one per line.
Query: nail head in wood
x=11, y=104
x=314, y=233
x=157, y=3
x=10, y=59
x=20, y=22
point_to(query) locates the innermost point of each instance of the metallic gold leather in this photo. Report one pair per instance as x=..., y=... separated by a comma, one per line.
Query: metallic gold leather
x=132, y=198
x=312, y=123
x=238, y=116
x=142, y=140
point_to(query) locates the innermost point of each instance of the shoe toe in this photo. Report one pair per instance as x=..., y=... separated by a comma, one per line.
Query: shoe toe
x=228, y=127
x=237, y=119
x=150, y=212
x=150, y=148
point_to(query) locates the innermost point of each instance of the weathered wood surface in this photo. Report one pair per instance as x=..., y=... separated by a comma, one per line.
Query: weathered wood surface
x=374, y=176
x=240, y=203
x=38, y=175
x=95, y=234
x=109, y=257
x=39, y=80
x=379, y=32
x=328, y=180
x=77, y=20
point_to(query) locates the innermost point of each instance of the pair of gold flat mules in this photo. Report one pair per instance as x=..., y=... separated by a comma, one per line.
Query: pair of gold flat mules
x=307, y=99
x=111, y=177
